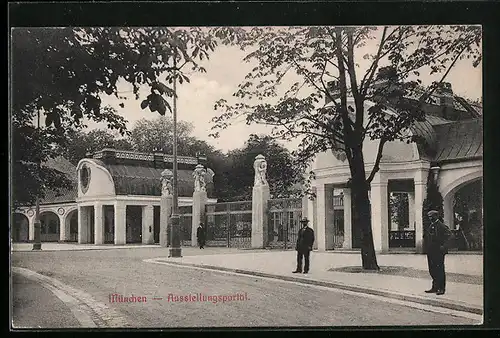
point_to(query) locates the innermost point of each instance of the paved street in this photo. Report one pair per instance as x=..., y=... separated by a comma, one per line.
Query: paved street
x=92, y=275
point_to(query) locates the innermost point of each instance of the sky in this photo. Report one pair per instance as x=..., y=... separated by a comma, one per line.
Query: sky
x=225, y=70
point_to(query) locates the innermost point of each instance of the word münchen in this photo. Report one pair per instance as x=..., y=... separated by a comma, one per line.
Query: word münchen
x=199, y=297
x=117, y=298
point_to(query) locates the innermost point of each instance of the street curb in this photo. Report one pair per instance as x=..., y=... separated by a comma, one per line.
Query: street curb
x=342, y=286
x=88, y=249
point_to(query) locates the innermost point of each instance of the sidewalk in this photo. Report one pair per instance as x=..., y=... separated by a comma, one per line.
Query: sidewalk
x=464, y=290
x=34, y=306
x=17, y=247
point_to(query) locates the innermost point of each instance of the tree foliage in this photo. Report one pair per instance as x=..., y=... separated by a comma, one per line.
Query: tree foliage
x=281, y=175
x=84, y=144
x=325, y=60
x=63, y=73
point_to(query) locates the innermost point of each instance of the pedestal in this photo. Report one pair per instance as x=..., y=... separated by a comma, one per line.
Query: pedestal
x=165, y=213
x=199, y=202
x=37, y=245
x=260, y=196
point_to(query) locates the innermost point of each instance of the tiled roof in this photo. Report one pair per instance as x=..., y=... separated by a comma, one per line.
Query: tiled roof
x=145, y=180
x=64, y=195
x=459, y=140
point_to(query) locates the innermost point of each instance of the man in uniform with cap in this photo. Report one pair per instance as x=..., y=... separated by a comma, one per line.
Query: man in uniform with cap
x=436, y=239
x=305, y=241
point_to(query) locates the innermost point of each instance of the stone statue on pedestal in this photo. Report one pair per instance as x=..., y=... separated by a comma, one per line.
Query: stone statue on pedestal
x=260, y=166
x=199, y=174
x=166, y=182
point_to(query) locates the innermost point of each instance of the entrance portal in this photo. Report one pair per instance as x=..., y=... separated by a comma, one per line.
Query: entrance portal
x=467, y=210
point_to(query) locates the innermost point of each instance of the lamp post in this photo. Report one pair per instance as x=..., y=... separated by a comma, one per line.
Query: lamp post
x=175, y=249
x=37, y=243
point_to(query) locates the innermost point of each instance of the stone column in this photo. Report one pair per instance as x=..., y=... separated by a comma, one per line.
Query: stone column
x=321, y=216
x=31, y=228
x=98, y=224
x=347, y=219
x=260, y=197
x=380, y=213
x=120, y=222
x=329, y=219
x=64, y=228
x=314, y=218
x=83, y=225
x=199, y=202
x=420, y=194
x=411, y=210
x=147, y=224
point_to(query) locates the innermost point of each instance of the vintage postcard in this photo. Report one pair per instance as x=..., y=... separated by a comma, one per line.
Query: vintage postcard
x=253, y=176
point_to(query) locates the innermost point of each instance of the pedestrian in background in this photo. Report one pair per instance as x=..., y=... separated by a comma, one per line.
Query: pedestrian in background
x=305, y=241
x=200, y=235
x=437, y=237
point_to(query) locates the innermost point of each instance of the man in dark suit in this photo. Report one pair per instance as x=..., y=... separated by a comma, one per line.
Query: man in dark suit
x=305, y=241
x=437, y=237
x=200, y=235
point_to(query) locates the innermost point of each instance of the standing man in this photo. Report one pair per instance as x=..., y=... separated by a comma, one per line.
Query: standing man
x=305, y=240
x=200, y=235
x=437, y=238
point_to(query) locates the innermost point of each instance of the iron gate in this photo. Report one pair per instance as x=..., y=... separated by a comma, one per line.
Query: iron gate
x=185, y=222
x=284, y=222
x=338, y=228
x=229, y=224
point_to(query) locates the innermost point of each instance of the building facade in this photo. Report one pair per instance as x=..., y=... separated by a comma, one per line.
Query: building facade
x=452, y=152
x=115, y=200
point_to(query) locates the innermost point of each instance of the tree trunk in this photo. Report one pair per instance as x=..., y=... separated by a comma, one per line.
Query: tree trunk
x=359, y=188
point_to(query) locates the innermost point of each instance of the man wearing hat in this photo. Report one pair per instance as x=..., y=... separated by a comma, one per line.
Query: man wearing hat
x=305, y=240
x=437, y=238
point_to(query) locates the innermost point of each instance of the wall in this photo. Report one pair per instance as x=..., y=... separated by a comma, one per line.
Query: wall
x=393, y=151
x=100, y=184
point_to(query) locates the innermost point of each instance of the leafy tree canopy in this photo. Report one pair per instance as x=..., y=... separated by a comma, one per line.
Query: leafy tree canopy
x=325, y=60
x=62, y=73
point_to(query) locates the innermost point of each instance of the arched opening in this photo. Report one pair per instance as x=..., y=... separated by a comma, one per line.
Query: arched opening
x=71, y=225
x=20, y=228
x=50, y=227
x=467, y=206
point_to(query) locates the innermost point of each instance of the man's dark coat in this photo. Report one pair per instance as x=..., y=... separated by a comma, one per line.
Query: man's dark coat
x=305, y=239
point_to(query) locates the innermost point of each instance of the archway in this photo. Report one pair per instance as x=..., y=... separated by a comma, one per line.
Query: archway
x=467, y=206
x=20, y=228
x=50, y=227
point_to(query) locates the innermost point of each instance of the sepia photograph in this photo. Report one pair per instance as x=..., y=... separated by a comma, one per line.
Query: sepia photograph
x=246, y=176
